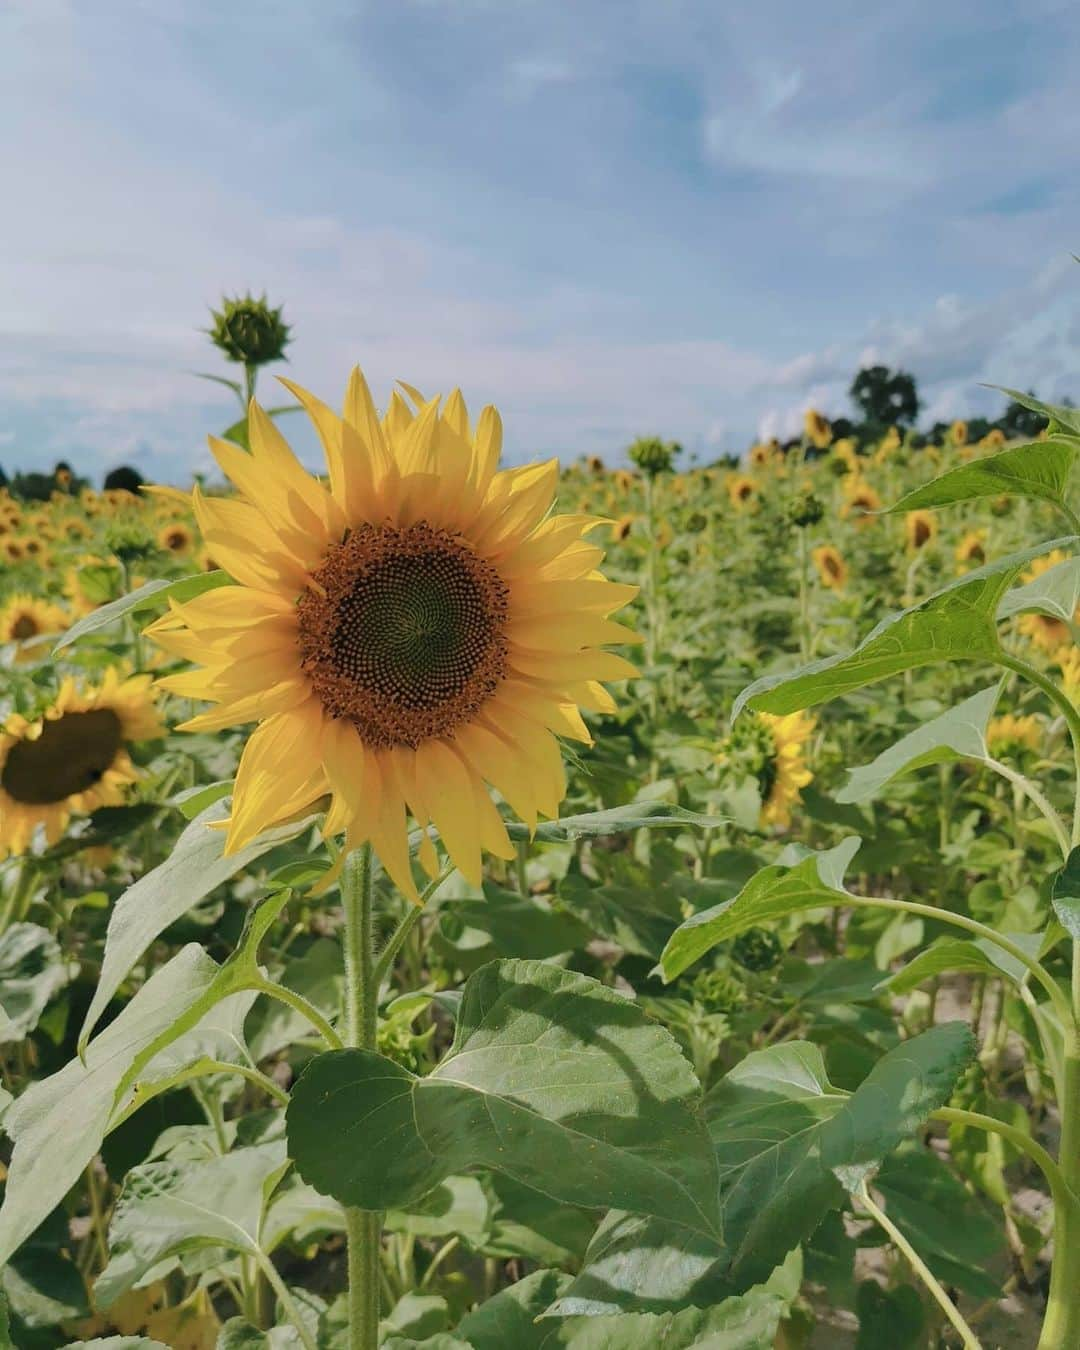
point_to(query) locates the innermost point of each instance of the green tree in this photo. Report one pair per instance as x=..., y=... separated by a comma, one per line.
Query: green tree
x=885, y=397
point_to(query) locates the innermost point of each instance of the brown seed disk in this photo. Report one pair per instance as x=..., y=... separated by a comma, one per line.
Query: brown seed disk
x=70, y=756
x=407, y=638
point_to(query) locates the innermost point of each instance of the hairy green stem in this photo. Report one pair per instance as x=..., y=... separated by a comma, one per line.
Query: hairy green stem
x=363, y=1227
x=288, y=1303
x=397, y=938
x=1037, y=799
x=301, y=1005
x=944, y=1302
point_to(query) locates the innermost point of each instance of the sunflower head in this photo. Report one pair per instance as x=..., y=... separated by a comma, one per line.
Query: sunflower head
x=417, y=630
x=175, y=538
x=817, y=428
x=958, y=432
x=993, y=440
x=1046, y=631
x=773, y=750
x=25, y=619
x=862, y=501
x=920, y=529
x=622, y=527
x=249, y=331
x=73, y=759
x=971, y=550
x=761, y=455
x=832, y=570
x=1014, y=733
x=742, y=489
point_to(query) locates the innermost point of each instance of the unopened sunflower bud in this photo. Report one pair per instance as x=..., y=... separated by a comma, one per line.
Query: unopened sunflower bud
x=805, y=510
x=249, y=331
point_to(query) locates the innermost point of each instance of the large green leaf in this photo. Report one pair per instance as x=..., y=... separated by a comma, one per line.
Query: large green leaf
x=956, y=623
x=32, y=970
x=1061, y=418
x=59, y=1122
x=783, y=1137
x=977, y=955
x=956, y=734
x=151, y=595
x=546, y=1066
x=1041, y=469
x=167, y=1208
x=813, y=879
x=196, y=865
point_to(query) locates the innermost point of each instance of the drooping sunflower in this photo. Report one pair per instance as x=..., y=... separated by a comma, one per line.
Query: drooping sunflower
x=621, y=529
x=1014, y=733
x=844, y=452
x=24, y=618
x=419, y=628
x=971, y=550
x=831, y=567
x=73, y=758
x=786, y=771
x=1045, y=630
x=920, y=529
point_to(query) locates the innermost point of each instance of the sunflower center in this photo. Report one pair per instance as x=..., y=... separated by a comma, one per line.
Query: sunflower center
x=407, y=638
x=25, y=626
x=70, y=756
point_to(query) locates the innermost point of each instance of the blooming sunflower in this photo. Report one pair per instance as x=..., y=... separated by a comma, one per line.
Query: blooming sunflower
x=175, y=538
x=620, y=530
x=971, y=550
x=762, y=454
x=1045, y=630
x=417, y=629
x=1014, y=733
x=920, y=529
x=831, y=567
x=862, y=500
x=23, y=618
x=12, y=549
x=785, y=772
x=741, y=489
x=73, y=758
x=958, y=432
x=816, y=428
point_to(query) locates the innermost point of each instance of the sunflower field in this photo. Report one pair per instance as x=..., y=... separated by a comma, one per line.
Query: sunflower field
x=454, y=907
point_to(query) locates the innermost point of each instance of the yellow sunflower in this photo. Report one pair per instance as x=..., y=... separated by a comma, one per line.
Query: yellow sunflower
x=1068, y=658
x=831, y=567
x=971, y=550
x=12, y=549
x=993, y=440
x=844, y=451
x=24, y=618
x=862, y=500
x=622, y=527
x=762, y=454
x=816, y=428
x=175, y=538
x=958, y=432
x=741, y=489
x=1045, y=630
x=73, y=759
x=786, y=772
x=920, y=529
x=1014, y=733
x=418, y=629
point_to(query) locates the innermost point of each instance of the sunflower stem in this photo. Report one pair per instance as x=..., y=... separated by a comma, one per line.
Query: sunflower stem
x=362, y=1226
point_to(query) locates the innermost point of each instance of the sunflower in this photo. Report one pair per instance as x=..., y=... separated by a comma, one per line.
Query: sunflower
x=24, y=618
x=862, y=500
x=741, y=489
x=785, y=771
x=72, y=759
x=844, y=452
x=76, y=529
x=958, y=432
x=175, y=538
x=816, y=428
x=12, y=549
x=993, y=440
x=1014, y=733
x=418, y=629
x=832, y=569
x=762, y=454
x=1045, y=630
x=1068, y=658
x=971, y=550
x=920, y=529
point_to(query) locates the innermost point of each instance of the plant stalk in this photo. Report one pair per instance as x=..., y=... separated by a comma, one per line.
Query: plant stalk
x=363, y=1227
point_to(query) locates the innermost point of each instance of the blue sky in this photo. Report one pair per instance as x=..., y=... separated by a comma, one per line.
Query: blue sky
x=610, y=217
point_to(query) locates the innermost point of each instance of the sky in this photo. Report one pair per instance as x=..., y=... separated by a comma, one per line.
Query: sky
x=611, y=218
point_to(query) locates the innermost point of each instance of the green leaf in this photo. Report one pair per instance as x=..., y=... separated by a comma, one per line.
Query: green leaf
x=1065, y=896
x=238, y=434
x=956, y=623
x=32, y=970
x=167, y=1208
x=616, y=820
x=318, y=974
x=638, y=918
x=458, y=1206
x=889, y=1319
x=530, y=1224
x=546, y=1064
x=956, y=734
x=192, y=870
x=1067, y=419
x=59, y=1122
x=962, y=954
x=151, y=595
x=519, y=925
x=1040, y=469
x=1055, y=592
x=773, y=893
x=783, y=1137
x=510, y=1317
x=43, y=1287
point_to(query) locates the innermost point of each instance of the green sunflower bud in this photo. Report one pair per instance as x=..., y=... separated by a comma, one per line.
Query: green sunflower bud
x=249, y=331
x=654, y=456
x=805, y=510
x=757, y=949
